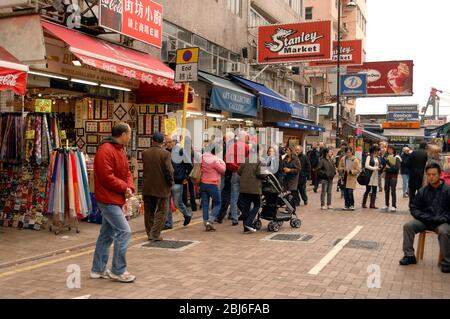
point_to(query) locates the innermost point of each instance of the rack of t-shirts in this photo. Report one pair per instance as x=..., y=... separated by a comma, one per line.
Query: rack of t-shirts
x=11, y=137
x=68, y=198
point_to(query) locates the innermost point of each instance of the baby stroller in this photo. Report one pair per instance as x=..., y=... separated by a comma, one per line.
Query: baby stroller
x=276, y=206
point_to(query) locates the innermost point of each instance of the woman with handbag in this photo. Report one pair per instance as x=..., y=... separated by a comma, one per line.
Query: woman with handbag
x=372, y=164
x=291, y=169
x=349, y=168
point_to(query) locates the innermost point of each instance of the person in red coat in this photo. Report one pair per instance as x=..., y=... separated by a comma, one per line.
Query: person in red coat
x=113, y=185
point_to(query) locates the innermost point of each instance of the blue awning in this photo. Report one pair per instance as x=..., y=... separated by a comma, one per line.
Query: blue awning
x=267, y=98
x=300, y=126
x=229, y=97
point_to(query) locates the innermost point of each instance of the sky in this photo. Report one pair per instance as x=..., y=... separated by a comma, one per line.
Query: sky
x=415, y=30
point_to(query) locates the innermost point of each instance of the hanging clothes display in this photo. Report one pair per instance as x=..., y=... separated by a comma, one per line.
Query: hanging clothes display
x=68, y=189
x=11, y=137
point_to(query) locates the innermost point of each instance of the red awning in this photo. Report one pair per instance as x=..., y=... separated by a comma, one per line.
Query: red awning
x=154, y=75
x=13, y=74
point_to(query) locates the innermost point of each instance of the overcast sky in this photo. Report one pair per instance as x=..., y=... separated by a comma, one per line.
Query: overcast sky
x=410, y=30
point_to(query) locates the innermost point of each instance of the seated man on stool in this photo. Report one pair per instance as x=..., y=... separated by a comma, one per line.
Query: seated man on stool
x=431, y=210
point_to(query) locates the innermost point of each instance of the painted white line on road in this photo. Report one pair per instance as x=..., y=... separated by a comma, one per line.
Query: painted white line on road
x=83, y=297
x=336, y=249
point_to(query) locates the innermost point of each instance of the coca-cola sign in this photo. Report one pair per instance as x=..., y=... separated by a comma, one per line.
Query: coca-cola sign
x=13, y=80
x=296, y=42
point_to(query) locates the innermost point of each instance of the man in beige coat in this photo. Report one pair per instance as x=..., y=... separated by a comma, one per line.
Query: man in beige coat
x=158, y=181
x=349, y=168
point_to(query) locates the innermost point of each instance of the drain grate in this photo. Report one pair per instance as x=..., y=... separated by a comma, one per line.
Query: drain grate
x=168, y=244
x=360, y=244
x=292, y=237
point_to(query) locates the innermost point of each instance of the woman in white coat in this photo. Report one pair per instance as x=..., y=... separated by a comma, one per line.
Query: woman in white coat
x=372, y=164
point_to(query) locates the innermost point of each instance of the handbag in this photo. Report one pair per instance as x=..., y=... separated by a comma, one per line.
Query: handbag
x=196, y=174
x=364, y=177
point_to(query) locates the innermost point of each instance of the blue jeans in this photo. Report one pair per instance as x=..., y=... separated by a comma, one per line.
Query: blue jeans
x=210, y=191
x=114, y=228
x=235, y=190
x=349, y=198
x=177, y=195
x=405, y=179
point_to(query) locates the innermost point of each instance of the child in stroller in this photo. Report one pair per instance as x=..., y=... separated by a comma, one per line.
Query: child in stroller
x=276, y=206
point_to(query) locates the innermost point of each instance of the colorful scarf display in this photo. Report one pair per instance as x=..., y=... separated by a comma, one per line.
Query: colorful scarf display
x=11, y=138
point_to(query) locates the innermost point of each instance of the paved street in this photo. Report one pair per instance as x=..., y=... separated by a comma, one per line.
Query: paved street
x=228, y=264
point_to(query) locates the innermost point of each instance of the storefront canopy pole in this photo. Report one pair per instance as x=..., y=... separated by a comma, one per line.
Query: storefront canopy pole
x=185, y=105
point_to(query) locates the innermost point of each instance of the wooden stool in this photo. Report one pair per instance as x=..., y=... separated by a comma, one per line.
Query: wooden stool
x=421, y=246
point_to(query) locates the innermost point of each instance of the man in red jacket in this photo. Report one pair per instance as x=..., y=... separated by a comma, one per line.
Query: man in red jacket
x=113, y=185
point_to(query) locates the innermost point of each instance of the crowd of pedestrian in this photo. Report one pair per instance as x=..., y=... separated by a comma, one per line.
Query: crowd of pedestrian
x=230, y=180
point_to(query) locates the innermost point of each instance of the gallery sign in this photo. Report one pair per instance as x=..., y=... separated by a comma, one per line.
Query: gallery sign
x=295, y=42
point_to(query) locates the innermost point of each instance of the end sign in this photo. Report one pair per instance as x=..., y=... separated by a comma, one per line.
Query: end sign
x=187, y=65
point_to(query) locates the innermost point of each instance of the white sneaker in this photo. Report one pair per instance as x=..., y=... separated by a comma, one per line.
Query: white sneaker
x=352, y=208
x=385, y=208
x=330, y=207
x=393, y=209
x=249, y=230
x=125, y=277
x=324, y=207
x=100, y=275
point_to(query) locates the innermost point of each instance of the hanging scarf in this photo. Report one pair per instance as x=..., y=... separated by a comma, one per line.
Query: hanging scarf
x=29, y=143
x=38, y=140
x=45, y=140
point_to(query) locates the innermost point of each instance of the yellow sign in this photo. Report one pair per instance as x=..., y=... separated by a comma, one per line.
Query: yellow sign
x=188, y=55
x=63, y=135
x=29, y=135
x=43, y=106
x=170, y=126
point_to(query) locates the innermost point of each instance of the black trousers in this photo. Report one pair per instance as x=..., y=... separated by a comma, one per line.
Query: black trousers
x=245, y=202
x=369, y=189
x=190, y=187
x=302, y=188
x=315, y=180
x=225, y=197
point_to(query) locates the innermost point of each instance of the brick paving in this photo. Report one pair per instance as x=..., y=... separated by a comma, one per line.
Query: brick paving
x=229, y=264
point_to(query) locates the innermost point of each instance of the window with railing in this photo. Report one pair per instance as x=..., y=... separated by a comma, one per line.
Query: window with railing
x=296, y=5
x=235, y=6
x=256, y=20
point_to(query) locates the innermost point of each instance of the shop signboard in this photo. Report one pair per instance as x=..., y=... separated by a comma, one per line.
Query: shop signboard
x=137, y=19
x=403, y=108
x=43, y=106
x=295, y=42
x=351, y=54
x=401, y=125
x=170, y=126
x=387, y=78
x=233, y=101
x=402, y=117
x=13, y=80
x=354, y=85
x=435, y=122
x=187, y=65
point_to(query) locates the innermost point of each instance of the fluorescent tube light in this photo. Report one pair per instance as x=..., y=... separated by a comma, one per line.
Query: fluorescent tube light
x=84, y=82
x=115, y=87
x=48, y=75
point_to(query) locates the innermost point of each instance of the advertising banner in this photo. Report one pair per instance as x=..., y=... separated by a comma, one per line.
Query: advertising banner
x=387, y=78
x=354, y=85
x=137, y=19
x=296, y=42
x=13, y=80
x=351, y=54
x=403, y=117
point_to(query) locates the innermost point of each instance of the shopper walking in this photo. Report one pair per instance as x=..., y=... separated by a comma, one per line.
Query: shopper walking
x=225, y=184
x=326, y=171
x=291, y=170
x=416, y=164
x=113, y=185
x=349, y=168
x=314, y=158
x=372, y=164
x=250, y=193
x=158, y=181
x=304, y=174
x=391, y=171
x=212, y=169
x=404, y=170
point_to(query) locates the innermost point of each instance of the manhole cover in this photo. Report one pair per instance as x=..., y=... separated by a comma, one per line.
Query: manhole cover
x=167, y=244
x=292, y=237
x=360, y=244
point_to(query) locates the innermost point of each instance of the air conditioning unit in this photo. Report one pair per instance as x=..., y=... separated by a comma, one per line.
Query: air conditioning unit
x=236, y=68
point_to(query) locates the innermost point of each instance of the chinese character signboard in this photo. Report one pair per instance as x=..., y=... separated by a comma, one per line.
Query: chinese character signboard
x=43, y=106
x=351, y=54
x=187, y=65
x=389, y=78
x=296, y=42
x=137, y=19
x=354, y=85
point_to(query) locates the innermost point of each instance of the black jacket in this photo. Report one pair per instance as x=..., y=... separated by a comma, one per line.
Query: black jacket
x=404, y=170
x=182, y=167
x=314, y=157
x=305, y=164
x=291, y=179
x=432, y=206
x=416, y=165
x=326, y=170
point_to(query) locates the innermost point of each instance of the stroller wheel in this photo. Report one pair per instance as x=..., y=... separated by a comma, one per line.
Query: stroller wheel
x=270, y=226
x=276, y=227
x=296, y=223
x=280, y=223
x=258, y=224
